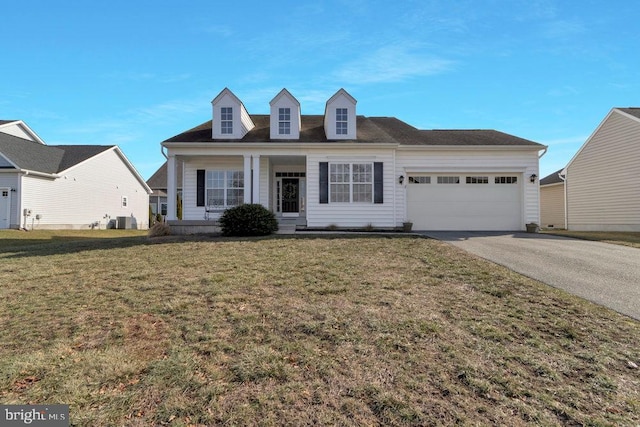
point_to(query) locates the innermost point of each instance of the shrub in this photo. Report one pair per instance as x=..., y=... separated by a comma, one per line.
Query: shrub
x=159, y=229
x=248, y=220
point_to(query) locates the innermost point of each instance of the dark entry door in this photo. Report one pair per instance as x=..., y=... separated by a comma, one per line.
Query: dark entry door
x=290, y=195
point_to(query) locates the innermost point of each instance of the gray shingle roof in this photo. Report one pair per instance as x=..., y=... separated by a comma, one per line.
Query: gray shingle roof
x=51, y=159
x=370, y=130
x=4, y=122
x=158, y=180
x=634, y=111
x=551, y=178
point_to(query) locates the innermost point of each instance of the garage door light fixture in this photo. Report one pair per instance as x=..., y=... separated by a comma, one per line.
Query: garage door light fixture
x=533, y=177
x=400, y=179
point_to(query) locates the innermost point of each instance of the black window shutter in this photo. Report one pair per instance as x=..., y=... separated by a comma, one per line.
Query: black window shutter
x=200, y=187
x=324, y=182
x=377, y=183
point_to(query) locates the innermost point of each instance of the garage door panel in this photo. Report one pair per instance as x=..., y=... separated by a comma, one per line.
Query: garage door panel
x=465, y=206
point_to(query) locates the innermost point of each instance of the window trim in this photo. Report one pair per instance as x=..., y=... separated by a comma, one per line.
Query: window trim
x=226, y=120
x=342, y=121
x=227, y=175
x=284, y=121
x=505, y=180
x=351, y=182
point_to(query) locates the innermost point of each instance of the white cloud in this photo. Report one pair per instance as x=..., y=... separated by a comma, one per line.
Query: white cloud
x=391, y=64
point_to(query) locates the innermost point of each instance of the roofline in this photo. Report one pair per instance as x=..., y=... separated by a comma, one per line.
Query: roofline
x=350, y=145
x=278, y=145
x=30, y=172
x=616, y=110
x=282, y=93
x=631, y=116
x=9, y=161
x=29, y=130
x=122, y=157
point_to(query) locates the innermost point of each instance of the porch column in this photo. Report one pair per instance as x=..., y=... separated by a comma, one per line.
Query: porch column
x=255, y=186
x=247, y=178
x=171, y=188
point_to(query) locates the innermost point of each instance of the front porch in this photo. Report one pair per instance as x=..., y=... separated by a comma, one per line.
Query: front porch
x=214, y=183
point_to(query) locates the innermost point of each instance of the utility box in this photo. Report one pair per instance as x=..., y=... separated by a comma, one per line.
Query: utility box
x=123, y=223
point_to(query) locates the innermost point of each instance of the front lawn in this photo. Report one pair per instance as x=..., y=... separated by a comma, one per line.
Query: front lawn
x=299, y=331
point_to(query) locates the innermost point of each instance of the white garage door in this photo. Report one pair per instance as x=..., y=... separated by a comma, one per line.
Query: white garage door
x=465, y=201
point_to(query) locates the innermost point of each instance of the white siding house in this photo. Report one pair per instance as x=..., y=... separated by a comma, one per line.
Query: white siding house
x=601, y=192
x=67, y=186
x=349, y=171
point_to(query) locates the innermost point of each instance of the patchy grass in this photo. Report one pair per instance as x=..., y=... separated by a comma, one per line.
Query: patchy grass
x=617, y=238
x=328, y=330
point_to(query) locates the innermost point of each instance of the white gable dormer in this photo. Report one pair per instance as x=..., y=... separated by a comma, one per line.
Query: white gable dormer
x=230, y=119
x=285, y=116
x=340, y=116
x=20, y=129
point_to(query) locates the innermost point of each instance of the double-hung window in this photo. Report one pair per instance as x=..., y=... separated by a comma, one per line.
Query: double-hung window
x=226, y=120
x=351, y=182
x=341, y=121
x=284, y=121
x=224, y=189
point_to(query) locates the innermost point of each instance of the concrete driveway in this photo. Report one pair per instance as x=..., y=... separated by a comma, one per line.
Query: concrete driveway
x=600, y=272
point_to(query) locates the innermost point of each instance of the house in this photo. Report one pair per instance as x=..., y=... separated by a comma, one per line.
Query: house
x=343, y=170
x=552, y=201
x=66, y=186
x=158, y=184
x=600, y=191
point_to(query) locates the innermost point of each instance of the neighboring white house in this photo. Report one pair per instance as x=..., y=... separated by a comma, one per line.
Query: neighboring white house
x=343, y=170
x=601, y=192
x=66, y=186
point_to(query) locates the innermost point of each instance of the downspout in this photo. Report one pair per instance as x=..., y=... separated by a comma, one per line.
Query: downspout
x=162, y=151
x=566, y=213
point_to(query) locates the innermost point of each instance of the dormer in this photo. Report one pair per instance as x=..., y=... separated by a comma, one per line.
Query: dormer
x=285, y=116
x=230, y=119
x=340, y=116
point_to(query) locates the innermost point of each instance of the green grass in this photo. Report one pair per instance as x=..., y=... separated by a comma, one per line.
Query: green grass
x=283, y=330
x=617, y=238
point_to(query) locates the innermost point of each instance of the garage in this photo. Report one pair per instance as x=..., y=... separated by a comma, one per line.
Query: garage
x=456, y=201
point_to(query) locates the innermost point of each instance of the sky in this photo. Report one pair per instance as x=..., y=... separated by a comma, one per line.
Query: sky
x=134, y=73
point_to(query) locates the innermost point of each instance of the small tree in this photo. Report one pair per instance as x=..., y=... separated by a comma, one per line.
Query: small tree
x=248, y=220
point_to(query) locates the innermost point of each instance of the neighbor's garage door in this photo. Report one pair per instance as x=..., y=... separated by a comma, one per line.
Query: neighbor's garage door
x=465, y=201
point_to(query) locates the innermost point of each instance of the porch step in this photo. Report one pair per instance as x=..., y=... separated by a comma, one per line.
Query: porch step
x=286, y=228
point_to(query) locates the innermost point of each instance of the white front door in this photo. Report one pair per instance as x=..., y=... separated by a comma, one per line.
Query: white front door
x=5, y=207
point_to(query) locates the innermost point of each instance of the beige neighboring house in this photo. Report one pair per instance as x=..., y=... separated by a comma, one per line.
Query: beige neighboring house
x=552, y=201
x=602, y=191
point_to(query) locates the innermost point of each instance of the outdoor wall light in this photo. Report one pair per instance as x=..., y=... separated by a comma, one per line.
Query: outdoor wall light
x=401, y=179
x=533, y=177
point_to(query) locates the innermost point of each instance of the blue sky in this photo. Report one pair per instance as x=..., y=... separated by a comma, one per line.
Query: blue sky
x=134, y=73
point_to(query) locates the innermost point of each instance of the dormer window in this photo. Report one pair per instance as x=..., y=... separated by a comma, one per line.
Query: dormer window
x=341, y=121
x=226, y=120
x=284, y=121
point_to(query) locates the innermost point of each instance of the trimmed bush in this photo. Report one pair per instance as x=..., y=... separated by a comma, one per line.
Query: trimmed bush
x=248, y=220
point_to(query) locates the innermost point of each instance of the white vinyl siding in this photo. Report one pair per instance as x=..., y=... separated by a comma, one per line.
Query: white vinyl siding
x=350, y=214
x=603, y=192
x=552, y=206
x=88, y=193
